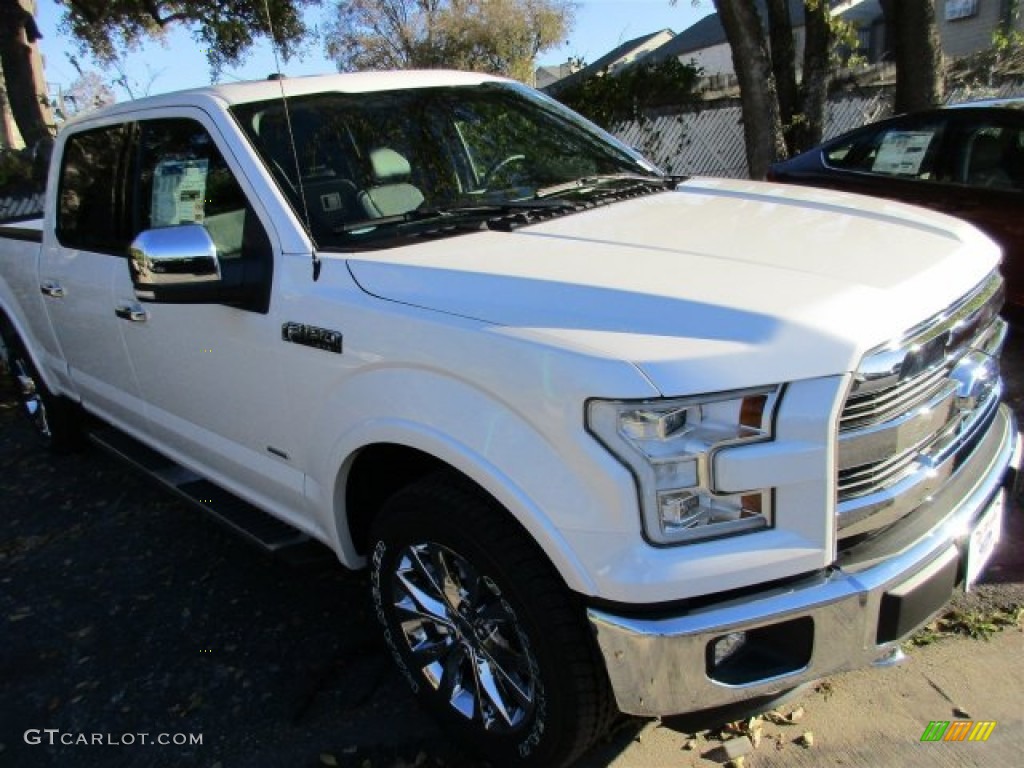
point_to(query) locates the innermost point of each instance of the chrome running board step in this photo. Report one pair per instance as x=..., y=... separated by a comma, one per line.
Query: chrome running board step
x=240, y=516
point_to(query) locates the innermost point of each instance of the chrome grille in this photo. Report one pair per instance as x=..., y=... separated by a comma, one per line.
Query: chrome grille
x=914, y=406
x=876, y=407
x=868, y=478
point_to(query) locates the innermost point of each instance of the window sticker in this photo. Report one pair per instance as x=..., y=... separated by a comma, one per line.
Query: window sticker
x=179, y=192
x=902, y=152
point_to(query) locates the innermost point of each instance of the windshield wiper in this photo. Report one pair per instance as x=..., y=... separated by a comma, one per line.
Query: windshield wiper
x=586, y=183
x=442, y=212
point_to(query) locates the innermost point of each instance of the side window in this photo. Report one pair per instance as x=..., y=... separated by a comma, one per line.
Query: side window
x=905, y=151
x=90, y=207
x=992, y=156
x=182, y=178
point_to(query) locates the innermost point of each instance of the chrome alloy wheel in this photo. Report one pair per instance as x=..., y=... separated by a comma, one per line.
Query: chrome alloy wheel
x=28, y=393
x=464, y=637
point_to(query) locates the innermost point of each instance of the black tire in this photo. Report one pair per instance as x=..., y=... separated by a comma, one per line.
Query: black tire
x=483, y=629
x=54, y=419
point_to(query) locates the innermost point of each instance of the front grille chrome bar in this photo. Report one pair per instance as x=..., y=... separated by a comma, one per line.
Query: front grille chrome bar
x=915, y=407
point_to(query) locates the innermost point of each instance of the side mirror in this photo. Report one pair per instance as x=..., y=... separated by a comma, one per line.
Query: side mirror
x=176, y=265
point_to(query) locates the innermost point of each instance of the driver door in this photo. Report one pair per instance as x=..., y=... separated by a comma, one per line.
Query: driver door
x=210, y=372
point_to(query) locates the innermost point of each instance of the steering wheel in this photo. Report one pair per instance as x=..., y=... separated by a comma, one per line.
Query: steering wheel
x=501, y=166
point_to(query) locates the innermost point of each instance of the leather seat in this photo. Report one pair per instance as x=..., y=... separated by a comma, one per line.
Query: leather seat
x=986, y=167
x=391, y=194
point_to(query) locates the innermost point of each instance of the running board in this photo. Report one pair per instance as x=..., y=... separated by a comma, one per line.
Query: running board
x=264, y=530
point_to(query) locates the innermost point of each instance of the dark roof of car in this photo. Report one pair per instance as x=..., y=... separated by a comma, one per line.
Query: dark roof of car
x=1010, y=102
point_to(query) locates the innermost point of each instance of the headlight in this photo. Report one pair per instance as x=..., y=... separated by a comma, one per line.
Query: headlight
x=670, y=447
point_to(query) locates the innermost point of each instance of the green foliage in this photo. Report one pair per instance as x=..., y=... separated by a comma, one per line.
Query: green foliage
x=15, y=168
x=979, y=625
x=627, y=94
x=843, y=52
x=224, y=28
x=1001, y=62
x=497, y=36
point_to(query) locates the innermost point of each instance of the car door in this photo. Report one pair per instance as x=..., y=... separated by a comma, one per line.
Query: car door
x=210, y=372
x=78, y=267
x=988, y=159
x=903, y=159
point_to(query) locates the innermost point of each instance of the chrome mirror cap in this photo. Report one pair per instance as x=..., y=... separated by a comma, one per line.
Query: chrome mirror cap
x=173, y=256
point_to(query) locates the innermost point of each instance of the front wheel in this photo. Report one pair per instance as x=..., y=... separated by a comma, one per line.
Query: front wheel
x=482, y=628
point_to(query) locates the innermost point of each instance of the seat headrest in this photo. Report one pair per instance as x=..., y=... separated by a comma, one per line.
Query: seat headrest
x=987, y=152
x=389, y=166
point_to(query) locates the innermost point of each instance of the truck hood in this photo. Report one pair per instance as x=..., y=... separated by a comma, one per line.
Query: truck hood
x=716, y=285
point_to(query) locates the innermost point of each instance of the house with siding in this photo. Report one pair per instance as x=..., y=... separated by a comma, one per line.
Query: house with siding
x=705, y=44
x=967, y=26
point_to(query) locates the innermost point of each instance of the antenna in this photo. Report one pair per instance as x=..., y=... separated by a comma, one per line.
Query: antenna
x=291, y=140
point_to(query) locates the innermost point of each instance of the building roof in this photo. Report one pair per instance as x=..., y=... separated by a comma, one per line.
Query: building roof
x=709, y=32
x=607, y=61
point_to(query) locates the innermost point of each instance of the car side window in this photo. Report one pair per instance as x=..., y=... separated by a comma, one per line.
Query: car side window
x=182, y=178
x=991, y=156
x=90, y=196
x=905, y=150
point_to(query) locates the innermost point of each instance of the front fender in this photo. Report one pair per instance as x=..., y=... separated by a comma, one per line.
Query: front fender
x=551, y=477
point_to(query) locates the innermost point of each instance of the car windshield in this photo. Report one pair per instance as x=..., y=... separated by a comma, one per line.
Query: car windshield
x=373, y=167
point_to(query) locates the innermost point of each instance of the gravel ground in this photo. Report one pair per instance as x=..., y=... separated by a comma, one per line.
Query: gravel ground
x=125, y=612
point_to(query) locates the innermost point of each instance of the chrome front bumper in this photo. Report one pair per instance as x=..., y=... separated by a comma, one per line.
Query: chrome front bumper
x=828, y=623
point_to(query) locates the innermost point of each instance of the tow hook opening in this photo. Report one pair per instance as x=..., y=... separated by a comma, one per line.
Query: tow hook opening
x=752, y=656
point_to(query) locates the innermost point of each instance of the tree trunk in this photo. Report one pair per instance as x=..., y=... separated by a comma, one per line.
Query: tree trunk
x=17, y=31
x=783, y=57
x=917, y=52
x=762, y=128
x=814, y=87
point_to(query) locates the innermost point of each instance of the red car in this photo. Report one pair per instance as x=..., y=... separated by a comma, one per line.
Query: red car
x=967, y=161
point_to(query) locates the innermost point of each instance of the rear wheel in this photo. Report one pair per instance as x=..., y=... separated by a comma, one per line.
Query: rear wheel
x=54, y=419
x=483, y=629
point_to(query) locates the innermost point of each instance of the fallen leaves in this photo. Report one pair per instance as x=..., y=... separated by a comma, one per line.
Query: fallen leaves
x=741, y=737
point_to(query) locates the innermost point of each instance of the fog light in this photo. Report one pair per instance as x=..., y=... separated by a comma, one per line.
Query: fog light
x=728, y=646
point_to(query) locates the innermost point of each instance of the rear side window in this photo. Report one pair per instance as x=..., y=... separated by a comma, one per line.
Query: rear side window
x=905, y=151
x=991, y=156
x=90, y=208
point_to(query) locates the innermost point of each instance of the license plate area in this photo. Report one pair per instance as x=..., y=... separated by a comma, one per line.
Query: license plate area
x=982, y=541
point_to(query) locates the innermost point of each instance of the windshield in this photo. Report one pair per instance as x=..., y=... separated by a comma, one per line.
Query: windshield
x=369, y=162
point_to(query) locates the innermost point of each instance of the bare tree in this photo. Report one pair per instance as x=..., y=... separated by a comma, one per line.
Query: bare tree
x=819, y=35
x=780, y=116
x=18, y=33
x=498, y=36
x=914, y=43
x=89, y=91
x=762, y=122
x=783, y=59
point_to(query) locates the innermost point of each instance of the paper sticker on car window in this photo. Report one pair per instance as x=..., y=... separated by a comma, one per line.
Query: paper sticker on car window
x=179, y=192
x=902, y=152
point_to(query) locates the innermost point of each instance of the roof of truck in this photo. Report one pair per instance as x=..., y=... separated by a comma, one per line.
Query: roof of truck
x=260, y=90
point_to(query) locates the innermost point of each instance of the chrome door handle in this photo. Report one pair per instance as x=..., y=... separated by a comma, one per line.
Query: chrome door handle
x=133, y=312
x=52, y=289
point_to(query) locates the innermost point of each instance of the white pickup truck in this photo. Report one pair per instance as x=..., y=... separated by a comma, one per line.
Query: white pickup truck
x=607, y=440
